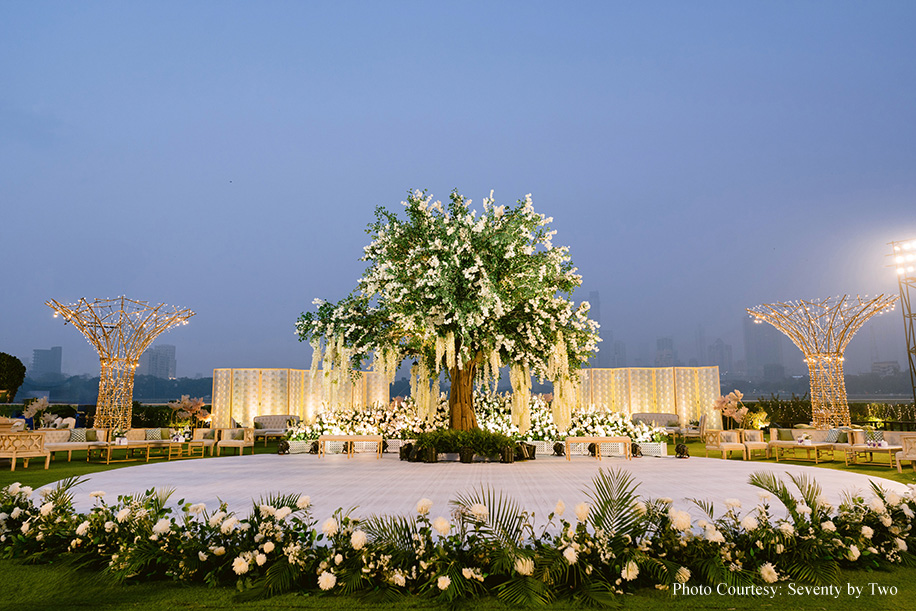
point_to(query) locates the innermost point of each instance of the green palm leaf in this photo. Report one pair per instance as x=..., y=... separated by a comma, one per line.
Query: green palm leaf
x=614, y=502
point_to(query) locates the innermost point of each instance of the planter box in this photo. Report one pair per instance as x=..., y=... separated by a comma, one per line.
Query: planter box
x=652, y=448
x=300, y=447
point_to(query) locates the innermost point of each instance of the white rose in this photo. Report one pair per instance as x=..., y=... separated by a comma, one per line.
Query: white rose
x=240, y=566
x=268, y=547
x=327, y=580
x=571, y=555
x=162, y=526
x=630, y=571
x=582, y=510
x=524, y=566
x=82, y=529
x=443, y=582
x=423, y=506
x=442, y=526
x=768, y=573
x=330, y=527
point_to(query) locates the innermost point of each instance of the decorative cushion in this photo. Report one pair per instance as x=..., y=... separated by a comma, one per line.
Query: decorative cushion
x=258, y=425
x=209, y=434
x=843, y=438
x=91, y=435
x=153, y=434
x=753, y=436
x=238, y=435
x=78, y=435
x=874, y=435
x=785, y=435
x=728, y=437
x=166, y=433
x=832, y=436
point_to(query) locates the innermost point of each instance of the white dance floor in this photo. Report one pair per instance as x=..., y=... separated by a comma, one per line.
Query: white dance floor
x=391, y=486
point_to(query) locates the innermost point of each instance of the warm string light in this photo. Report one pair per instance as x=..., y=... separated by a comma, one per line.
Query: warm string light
x=822, y=329
x=120, y=330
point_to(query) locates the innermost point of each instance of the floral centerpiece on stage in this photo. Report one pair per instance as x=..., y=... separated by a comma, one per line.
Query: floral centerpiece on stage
x=464, y=292
x=188, y=413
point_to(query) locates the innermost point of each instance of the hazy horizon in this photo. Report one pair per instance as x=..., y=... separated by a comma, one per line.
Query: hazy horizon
x=698, y=158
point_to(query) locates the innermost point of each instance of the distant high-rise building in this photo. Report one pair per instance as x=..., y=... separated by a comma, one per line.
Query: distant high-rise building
x=159, y=362
x=701, y=346
x=620, y=354
x=45, y=362
x=665, y=354
x=885, y=368
x=720, y=355
x=762, y=347
x=605, y=357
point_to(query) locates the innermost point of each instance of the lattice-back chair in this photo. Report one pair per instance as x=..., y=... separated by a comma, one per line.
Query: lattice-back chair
x=908, y=441
x=25, y=446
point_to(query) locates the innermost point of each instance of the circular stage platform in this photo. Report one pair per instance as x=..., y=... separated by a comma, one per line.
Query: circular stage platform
x=390, y=486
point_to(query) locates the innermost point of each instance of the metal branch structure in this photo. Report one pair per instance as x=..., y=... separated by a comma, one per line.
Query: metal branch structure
x=904, y=257
x=822, y=329
x=120, y=329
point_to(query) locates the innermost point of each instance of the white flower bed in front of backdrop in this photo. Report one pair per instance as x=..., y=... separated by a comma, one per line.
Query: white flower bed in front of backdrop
x=400, y=421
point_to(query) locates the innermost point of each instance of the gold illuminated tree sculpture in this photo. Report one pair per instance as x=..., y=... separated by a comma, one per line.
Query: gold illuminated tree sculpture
x=822, y=329
x=120, y=329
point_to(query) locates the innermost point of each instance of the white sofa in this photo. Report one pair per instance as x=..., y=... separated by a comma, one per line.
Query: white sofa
x=68, y=440
x=273, y=426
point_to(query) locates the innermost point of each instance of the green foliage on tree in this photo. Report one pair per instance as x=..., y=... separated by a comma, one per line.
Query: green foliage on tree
x=465, y=293
x=12, y=375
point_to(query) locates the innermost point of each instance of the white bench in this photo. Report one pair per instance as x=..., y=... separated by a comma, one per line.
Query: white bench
x=353, y=439
x=624, y=441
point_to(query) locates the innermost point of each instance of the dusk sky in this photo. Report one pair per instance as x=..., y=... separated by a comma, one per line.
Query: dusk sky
x=698, y=158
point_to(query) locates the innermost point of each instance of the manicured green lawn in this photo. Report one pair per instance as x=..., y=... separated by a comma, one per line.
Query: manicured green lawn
x=34, y=588
x=40, y=588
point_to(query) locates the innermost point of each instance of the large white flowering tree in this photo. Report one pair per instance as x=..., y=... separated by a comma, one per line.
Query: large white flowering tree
x=465, y=293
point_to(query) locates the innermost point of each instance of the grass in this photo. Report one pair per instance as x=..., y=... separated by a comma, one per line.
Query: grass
x=56, y=586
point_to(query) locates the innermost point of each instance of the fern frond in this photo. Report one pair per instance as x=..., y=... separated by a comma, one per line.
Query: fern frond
x=614, y=502
x=775, y=486
x=524, y=591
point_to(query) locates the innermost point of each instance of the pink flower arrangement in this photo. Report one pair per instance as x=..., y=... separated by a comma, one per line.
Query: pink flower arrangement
x=188, y=409
x=732, y=407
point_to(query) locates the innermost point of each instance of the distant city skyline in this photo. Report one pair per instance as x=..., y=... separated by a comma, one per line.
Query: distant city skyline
x=697, y=158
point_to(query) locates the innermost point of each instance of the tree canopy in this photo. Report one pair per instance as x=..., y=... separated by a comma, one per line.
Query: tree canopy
x=12, y=374
x=464, y=292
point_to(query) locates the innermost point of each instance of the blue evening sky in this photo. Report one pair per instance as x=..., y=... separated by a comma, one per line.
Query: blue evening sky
x=698, y=157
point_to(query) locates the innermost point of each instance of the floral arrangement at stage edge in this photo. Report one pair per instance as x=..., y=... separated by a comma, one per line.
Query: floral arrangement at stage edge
x=485, y=544
x=188, y=413
x=402, y=419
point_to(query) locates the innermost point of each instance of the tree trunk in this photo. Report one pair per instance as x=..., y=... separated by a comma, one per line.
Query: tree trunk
x=461, y=398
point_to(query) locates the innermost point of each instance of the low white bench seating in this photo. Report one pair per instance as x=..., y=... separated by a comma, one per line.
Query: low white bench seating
x=322, y=439
x=68, y=440
x=25, y=446
x=209, y=437
x=725, y=442
x=625, y=441
x=236, y=438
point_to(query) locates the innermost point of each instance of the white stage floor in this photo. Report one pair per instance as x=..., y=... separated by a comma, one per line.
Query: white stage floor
x=391, y=486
